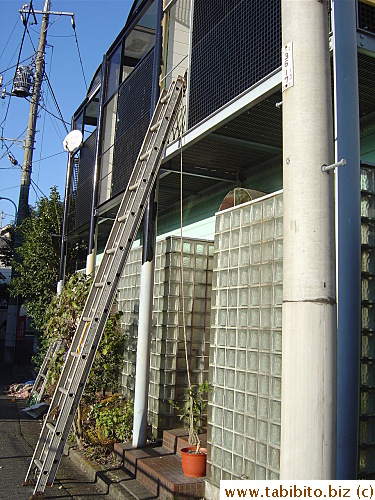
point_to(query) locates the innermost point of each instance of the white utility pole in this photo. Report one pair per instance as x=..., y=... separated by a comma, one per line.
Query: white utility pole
x=308, y=405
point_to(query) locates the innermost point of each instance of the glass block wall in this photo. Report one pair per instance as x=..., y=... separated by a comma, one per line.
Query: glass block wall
x=367, y=406
x=168, y=378
x=245, y=346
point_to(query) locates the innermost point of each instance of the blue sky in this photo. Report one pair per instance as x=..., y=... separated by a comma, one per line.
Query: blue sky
x=97, y=24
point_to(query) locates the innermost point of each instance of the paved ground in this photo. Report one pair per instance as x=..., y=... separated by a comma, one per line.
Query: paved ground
x=18, y=436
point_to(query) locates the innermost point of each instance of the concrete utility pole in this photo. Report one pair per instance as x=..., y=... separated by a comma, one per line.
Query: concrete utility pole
x=23, y=202
x=308, y=405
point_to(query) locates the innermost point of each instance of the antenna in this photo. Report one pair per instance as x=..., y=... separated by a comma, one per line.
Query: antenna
x=73, y=141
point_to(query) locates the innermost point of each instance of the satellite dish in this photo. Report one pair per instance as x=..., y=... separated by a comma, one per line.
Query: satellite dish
x=73, y=141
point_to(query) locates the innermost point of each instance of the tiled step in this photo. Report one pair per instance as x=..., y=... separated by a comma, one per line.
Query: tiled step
x=176, y=439
x=159, y=469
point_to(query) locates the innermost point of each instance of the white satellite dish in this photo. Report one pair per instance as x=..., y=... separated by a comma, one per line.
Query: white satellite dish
x=73, y=141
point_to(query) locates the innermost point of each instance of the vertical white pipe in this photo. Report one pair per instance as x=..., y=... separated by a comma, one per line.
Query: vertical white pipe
x=142, y=373
x=308, y=407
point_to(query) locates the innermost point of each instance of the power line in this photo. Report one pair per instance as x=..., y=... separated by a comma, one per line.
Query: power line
x=10, y=36
x=15, y=65
x=56, y=104
x=9, y=147
x=18, y=60
x=79, y=53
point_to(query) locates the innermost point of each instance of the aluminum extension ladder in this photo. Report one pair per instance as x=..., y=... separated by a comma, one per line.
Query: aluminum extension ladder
x=56, y=427
x=43, y=373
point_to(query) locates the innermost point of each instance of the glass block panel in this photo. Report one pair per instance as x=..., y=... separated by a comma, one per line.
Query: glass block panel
x=261, y=453
x=241, y=360
x=235, y=238
x=260, y=472
x=250, y=426
x=240, y=380
x=238, y=444
x=268, y=230
x=275, y=434
x=249, y=472
x=257, y=212
x=262, y=430
x=228, y=398
x=256, y=233
x=252, y=383
x=263, y=385
x=244, y=256
x=266, y=273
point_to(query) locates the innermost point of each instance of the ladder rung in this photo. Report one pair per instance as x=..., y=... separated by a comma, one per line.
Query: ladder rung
x=164, y=99
x=74, y=354
x=50, y=426
x=123, y=218
x=87, y=319
x=38, y=463
x=145, y=155
x=99, y=284
x=63, y=390
x=110, y=251
x=155, y=126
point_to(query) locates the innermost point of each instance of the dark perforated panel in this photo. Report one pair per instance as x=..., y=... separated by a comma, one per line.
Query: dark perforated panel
x=366, y=17
x=84, y=182
x=366, y=72
x=133, y=117
x=235, y=44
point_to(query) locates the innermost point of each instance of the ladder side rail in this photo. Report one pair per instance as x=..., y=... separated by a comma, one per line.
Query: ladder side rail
x=80, y=367
x=56, y=346
x=42, y=370
x=128, y=199
x=90, y=343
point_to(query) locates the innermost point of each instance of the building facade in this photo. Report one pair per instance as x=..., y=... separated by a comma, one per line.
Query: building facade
x=229, y=135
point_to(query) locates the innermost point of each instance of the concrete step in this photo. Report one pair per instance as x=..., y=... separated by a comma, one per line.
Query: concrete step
x=159, y=469
x=176, y=439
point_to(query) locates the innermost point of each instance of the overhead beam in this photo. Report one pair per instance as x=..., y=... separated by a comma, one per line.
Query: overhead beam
x=194, y=171
x=248, y=99
x=242, y=143
x=365, y=43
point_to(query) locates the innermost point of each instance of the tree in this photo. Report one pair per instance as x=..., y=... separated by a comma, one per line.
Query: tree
x=37, y=260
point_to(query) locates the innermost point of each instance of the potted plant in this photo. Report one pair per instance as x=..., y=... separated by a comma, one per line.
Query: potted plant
x=191, y=411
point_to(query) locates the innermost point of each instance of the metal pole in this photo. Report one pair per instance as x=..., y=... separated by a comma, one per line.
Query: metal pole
x=142, y=374
x=63, y=250
x=15, y=208
x=308, y=403
x=23, y=202
x=91, y=254
x=348, y=235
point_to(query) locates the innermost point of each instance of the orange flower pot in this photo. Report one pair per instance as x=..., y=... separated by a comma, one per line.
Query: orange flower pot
x=194, y=464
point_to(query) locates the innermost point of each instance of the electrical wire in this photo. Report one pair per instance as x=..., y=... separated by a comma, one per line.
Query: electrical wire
x=12, y=187
x=10, y=36
x=18, y=60
x=14, y=65
x=50, y=113
x=9, y=147
x=79, y=54
x=56, y=103
x=50, y=156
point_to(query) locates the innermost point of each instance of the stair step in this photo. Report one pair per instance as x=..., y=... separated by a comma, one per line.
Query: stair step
x=159, y=469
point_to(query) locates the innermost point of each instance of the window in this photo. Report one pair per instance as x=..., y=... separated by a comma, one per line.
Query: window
x=113, y=71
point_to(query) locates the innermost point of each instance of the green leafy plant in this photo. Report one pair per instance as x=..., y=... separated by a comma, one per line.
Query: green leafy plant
x=62, y=317
x=192, y=410
x=113, y=419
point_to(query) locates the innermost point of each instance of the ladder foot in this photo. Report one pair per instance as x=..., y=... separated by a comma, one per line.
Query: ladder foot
x=28, y=482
